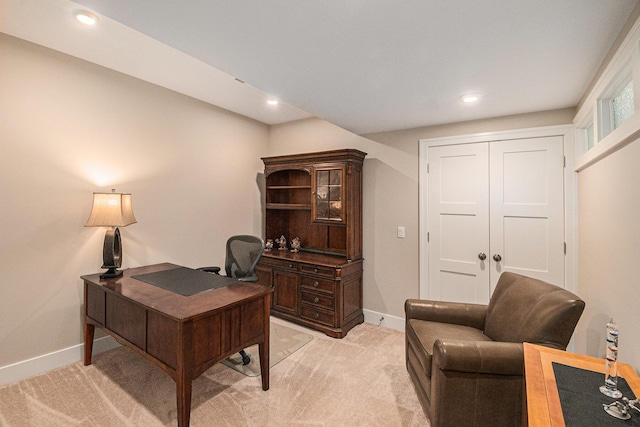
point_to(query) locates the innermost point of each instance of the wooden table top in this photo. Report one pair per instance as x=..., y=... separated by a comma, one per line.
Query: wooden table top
x=543, y=401
x=173, y=304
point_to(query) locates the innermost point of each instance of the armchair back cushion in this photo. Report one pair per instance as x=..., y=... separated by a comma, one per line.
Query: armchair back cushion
x=523, y=309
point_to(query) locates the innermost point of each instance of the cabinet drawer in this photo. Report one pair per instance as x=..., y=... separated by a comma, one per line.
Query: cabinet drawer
x=318, y=270
x=290, y=266
x=282, y=264
x=318, y=315
x=317, y=284
x=323, y=300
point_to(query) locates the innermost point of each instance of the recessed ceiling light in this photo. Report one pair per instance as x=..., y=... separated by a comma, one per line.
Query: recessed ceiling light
x=469, y=98
x=272, y=102
x=86, y=17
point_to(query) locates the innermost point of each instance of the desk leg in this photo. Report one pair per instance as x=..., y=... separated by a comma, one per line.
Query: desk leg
x=183, y=392
x=263, y=348
x=89, y=331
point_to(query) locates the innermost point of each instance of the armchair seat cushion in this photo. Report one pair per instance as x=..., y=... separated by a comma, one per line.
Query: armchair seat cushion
x=421, y=335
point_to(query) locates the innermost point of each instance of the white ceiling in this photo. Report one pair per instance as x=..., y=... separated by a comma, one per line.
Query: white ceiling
x=365, y=65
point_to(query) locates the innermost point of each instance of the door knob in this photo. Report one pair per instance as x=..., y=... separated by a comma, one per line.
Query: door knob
x=482, y=256
x=497, y=258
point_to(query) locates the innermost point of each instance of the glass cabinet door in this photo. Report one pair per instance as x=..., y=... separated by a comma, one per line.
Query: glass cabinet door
x=328, y=194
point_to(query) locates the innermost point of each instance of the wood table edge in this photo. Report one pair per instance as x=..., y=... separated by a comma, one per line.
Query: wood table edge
x=540, y=381
x=537, y=407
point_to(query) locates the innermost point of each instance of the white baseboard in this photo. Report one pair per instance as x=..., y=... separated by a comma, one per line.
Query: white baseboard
x=383, y=319
x=46, y=362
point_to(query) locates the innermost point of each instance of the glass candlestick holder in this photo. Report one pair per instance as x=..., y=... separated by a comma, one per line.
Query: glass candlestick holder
x=610, y=387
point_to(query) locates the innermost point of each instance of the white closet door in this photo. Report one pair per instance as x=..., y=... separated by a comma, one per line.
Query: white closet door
x=458, y=222
x=527, y=208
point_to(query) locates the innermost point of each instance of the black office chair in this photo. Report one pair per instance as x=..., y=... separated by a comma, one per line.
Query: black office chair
x=243, y=253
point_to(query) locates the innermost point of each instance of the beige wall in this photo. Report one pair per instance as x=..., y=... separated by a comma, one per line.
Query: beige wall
x=391, y=192
x=69, y=128
x=609, y=247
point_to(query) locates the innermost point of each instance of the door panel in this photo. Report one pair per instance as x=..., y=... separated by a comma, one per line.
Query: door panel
x=527, y=208
x=461, y=287
x=526, y=241
x=458, y=222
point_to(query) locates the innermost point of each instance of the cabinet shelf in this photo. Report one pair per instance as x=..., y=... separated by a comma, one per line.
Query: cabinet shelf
x=289, y=206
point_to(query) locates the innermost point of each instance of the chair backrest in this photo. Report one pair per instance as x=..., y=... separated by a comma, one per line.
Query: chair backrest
x=243, y=253
x=523, y=309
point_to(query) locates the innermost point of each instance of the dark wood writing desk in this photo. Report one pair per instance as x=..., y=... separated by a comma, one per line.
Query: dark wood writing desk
x=183, y=335
x=543, y=400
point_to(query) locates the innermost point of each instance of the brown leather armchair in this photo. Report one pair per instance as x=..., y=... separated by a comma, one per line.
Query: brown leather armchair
x=466, y=361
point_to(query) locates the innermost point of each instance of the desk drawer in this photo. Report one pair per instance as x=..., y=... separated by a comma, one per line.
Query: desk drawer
x=127, y=319
x=95, y=302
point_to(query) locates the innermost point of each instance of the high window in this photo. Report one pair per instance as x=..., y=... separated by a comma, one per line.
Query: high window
x=588, y=135
x=622, y=105
x=609, y=115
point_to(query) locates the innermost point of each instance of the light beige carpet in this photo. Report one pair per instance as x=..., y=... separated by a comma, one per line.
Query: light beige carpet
x=360, y=380
x=283, y=342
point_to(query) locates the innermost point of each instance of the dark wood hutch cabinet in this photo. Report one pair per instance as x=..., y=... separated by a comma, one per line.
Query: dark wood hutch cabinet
x=316, y=197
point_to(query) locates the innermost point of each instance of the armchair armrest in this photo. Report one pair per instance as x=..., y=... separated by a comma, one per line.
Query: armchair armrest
x=479, y=357
x=472, y=315
x=215, y=270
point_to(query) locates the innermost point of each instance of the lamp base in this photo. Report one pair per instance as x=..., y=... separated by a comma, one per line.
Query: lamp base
x=111, y=273
x=112, y=254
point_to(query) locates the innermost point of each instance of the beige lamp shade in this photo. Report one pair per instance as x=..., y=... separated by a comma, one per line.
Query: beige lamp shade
x=111, y=210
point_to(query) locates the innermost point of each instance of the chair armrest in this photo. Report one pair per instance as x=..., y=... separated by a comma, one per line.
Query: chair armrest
x=215, y=270
x=472, y=315
x=253, y=278
x=480, y=357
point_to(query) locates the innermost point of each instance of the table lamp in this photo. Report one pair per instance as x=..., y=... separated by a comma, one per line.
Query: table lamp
x=111, y=210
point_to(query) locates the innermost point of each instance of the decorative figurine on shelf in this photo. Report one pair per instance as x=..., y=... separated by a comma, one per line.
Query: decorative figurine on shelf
x=282, y=243
x=269, y=245
x=295, y=244
x=610, y=387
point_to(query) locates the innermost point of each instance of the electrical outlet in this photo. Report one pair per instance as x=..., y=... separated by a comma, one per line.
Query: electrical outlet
x=401, y=232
